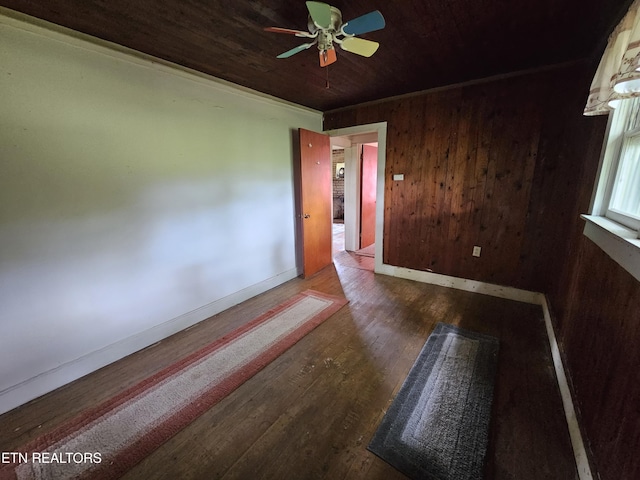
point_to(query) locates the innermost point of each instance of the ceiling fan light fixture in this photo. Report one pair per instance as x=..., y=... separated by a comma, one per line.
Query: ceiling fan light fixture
x=326, y=27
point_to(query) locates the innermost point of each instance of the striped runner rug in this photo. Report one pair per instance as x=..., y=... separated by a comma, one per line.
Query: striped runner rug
x=111, y=438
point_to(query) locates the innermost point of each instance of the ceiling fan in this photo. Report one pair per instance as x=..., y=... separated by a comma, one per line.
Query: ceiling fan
x=326, y=29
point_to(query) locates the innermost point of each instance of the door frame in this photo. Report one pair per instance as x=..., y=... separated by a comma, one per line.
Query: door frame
x=349, y=138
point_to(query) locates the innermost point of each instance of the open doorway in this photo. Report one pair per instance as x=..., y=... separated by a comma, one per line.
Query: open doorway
x=358, y=196
x=354, y=197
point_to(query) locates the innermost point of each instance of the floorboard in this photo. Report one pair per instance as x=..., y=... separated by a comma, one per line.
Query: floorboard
x=311, y=413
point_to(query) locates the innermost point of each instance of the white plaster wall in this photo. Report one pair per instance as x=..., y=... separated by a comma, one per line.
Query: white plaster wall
x=130, y=195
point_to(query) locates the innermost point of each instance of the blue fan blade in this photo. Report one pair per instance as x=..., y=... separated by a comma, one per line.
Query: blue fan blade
x=293, y=51
x=369, y=22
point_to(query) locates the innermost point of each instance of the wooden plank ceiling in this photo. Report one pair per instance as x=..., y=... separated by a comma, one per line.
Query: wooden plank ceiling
x=425, y=44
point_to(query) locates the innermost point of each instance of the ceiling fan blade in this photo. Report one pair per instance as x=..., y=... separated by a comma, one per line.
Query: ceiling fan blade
x=360, y=46
x=295, y=50
x=327, y=57
x=369, y=22
x=320, y=13
x=285, y=30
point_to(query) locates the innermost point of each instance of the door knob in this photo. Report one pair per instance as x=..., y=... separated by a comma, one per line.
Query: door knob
x=306, y=215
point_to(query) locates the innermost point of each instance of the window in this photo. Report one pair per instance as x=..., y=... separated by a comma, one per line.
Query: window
x=622, y=197
x=614, y=222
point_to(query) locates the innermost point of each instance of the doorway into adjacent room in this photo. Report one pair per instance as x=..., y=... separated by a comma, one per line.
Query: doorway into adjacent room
x=355, y=185
x=352, y=215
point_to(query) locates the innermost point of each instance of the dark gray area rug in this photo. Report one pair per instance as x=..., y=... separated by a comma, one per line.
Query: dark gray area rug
x=438, y=425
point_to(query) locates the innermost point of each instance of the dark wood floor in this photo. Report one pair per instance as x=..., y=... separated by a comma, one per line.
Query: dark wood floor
x=311, y=413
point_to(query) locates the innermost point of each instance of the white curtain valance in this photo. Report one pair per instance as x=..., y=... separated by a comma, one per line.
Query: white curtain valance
x=618, y=74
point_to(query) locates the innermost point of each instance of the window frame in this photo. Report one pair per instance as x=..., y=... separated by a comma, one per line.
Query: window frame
x=619, y=129
x=609, y=229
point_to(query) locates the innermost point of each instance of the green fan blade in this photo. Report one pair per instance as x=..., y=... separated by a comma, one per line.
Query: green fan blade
x=360, y=46
x=320, y=13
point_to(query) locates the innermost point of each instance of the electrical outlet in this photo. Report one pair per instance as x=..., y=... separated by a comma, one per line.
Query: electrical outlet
x=476, y=251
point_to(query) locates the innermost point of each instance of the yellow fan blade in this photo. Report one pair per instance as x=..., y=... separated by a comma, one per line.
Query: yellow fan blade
x=360, y=46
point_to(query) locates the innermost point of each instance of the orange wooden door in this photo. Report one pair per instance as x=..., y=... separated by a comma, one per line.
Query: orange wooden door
x=368, y=195
x=315, y=201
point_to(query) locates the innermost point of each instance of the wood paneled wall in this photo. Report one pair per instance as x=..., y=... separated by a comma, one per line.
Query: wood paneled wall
x=470, y=159
x=600, y=335
x=509, y=166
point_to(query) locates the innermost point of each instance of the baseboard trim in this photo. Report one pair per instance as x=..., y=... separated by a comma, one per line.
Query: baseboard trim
x=510, y=293
x=579, y=451
x=48, y=381
x=475, y=286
